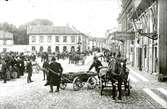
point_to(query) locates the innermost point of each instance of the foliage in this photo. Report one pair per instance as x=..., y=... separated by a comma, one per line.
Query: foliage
x=20, y=33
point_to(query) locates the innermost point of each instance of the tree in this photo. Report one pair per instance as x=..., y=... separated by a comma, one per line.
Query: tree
x=8, y=27
x=20, y=33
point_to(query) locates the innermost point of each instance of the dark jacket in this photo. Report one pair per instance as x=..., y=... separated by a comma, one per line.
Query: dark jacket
x=55, y=77
x=4, y=68
x=96, y=64
x=45, y=65
x=29, y=67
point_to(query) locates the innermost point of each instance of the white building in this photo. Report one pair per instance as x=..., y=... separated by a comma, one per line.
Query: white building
x=56, y=38
x=95, y=43
x=6, y=41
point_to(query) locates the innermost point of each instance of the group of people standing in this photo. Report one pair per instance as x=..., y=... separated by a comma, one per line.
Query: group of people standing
x=13, y=65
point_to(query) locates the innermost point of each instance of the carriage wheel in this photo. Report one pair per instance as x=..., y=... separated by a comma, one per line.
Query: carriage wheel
x=92, y=82
x=77, y=84
x=63, y=85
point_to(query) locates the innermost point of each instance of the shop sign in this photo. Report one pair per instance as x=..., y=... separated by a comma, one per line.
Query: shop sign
x=124, y=36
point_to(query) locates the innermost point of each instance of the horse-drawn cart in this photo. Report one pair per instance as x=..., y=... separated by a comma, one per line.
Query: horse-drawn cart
x=107, y=79
x=79, y=79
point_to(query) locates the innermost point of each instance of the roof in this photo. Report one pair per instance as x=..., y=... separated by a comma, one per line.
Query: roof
x=6, y=35
x=98, y=39
x=51, y=30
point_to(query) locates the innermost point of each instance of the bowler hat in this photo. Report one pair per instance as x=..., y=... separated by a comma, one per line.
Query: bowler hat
x=53, y=59
x=95, y=57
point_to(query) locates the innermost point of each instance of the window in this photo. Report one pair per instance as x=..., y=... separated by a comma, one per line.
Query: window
x=72, y=49
x=79, y=38
x=41, y=49
x=49, y=39
x=49, y=49
x=57, y=38
x=57, y=49
x=64, y=38
x=41, y=39
x=4, y=42
x=33, y=39
x=64, y=48
x=72, y=39
x=4, y=49
x=33, y=48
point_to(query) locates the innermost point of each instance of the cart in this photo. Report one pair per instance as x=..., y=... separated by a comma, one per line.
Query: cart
x=106, y=80
x=79, y=79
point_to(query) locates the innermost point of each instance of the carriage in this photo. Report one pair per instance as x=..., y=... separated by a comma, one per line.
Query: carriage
x=108, y=80
x=79, y=79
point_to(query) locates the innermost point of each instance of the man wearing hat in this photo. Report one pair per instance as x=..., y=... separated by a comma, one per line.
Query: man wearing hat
x=55, y=72
x=29, y=71
x=97, y=64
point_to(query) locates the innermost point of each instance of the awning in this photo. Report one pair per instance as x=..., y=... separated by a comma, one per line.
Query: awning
x=122, y=36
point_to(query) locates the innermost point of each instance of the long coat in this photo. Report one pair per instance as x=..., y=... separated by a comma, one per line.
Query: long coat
x=29, y=68
x=4, y=68
x=55, y=77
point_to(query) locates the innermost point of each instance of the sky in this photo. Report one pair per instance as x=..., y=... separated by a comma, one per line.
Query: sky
x=92, y=17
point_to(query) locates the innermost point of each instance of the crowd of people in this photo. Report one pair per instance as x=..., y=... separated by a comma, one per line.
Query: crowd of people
x=14, y=65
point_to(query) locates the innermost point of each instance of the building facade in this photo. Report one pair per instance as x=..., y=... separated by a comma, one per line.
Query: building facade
x=147, y=19
x=97, y=43
x=56, y=39
x=6, y=41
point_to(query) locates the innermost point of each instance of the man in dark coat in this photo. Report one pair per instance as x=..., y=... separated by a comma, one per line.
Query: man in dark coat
x=4, y=70
x=45, y=74
x=55, y=72
x=96, y=63
x=18, y=67
x=29, y=71
x=22, y=67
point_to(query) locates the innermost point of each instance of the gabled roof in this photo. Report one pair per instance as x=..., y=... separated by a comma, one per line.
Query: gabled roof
x=6, y=35
x=51, y=30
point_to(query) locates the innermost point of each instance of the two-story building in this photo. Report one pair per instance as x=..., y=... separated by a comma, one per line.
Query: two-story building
x=6, y=41
x=56, y=39
x=147, y=20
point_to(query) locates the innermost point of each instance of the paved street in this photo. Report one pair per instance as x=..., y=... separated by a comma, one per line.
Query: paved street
x=146, y=93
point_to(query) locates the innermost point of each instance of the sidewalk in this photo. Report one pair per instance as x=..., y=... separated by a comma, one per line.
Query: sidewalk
x=148, y=75
x=145, y=79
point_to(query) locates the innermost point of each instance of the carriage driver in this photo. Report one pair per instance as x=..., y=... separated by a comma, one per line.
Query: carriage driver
x=97, y=64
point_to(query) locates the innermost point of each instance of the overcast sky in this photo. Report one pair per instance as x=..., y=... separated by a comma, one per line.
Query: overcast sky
x=89, y=16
